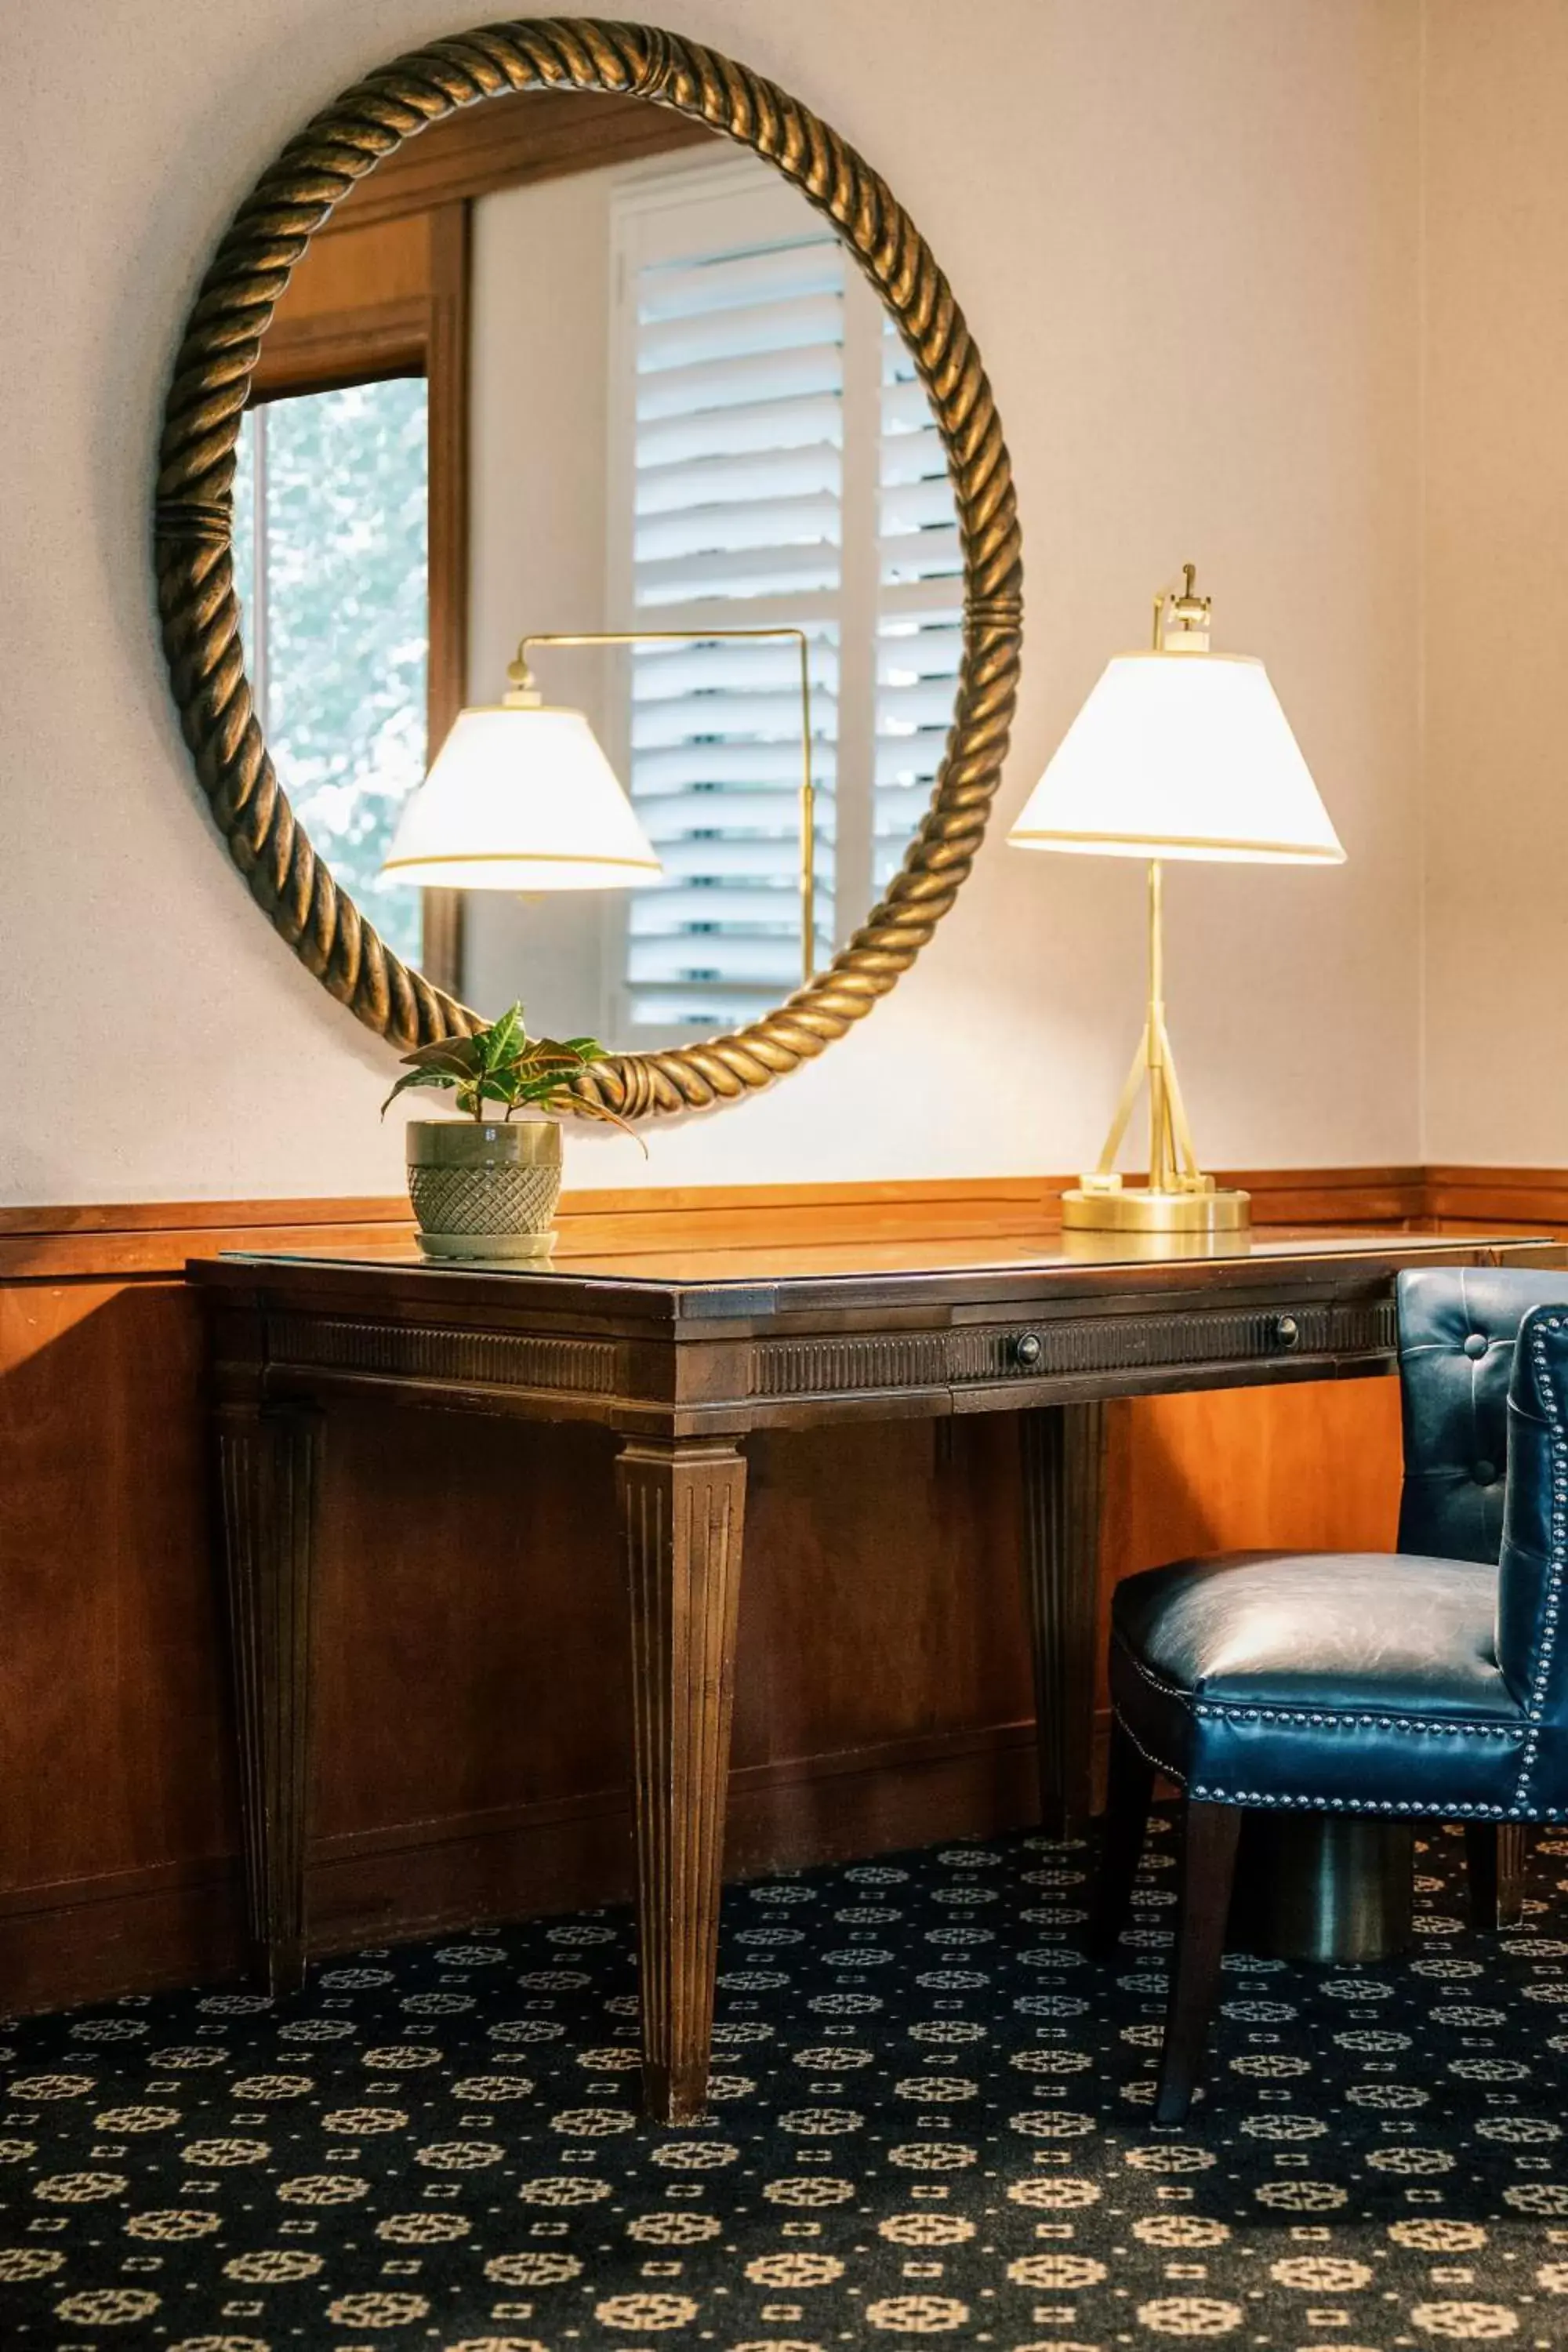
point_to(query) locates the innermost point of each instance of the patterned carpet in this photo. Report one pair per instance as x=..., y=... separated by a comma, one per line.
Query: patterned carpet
x=931, y=2121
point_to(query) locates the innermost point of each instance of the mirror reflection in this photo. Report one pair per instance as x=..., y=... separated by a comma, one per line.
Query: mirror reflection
x=579, y=370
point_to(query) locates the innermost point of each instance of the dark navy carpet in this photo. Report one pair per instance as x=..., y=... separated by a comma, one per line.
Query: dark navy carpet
x=931, y=2120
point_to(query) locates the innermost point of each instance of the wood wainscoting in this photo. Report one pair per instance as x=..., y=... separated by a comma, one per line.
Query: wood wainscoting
x=472, y=1714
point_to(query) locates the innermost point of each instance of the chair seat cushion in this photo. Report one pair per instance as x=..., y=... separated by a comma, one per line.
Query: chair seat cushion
x=1334, y=1680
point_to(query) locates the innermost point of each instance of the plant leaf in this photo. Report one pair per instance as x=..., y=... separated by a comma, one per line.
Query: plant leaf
x=416, y=1078
x=457, y=1056
x=543, y=1085
x=581, y=1108
x=503, y=1038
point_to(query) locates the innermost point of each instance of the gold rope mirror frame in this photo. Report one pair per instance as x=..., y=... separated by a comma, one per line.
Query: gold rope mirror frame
x=193, y=515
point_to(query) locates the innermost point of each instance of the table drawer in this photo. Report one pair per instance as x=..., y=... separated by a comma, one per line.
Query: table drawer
x=1068, y=1348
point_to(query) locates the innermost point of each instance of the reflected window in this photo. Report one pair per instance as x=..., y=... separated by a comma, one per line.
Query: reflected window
x=330, y=540
x=774, y=462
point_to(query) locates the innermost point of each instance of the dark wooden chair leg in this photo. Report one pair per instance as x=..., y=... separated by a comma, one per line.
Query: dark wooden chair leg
x=1513, y=1850
x=1128, y=1790
x=1481, y=1870
x=1209, y=1834
x=1494, y=1861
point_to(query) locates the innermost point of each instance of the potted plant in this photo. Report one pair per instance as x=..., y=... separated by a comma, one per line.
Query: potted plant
x=483, y=1186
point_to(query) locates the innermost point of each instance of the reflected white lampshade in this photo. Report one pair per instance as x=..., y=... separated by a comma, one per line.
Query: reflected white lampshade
x=1181, y=754
x=521, y=798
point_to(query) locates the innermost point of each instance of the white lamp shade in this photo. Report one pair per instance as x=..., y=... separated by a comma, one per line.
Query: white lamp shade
x=521, y=800
x=1180, y=755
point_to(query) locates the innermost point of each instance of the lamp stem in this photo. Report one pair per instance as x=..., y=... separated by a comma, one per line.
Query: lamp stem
x=1161, y=1169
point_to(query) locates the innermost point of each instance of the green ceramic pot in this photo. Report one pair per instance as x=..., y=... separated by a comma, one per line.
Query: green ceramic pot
x=480, y=1190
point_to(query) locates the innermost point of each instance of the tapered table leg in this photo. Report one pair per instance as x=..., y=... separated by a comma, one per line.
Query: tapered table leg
x=1062, y=1459
x=268, y=1462
x=683, y=1507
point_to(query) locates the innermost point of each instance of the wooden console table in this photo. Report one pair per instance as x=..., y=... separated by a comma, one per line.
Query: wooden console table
x=682, y=1356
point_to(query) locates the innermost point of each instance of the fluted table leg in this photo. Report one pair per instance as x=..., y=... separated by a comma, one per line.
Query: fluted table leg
x=268, y=1461
x=682, y=1507
x=1062, y=1459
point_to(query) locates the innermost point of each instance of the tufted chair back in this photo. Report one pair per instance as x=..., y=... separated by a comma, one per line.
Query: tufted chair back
x=1458, y=1330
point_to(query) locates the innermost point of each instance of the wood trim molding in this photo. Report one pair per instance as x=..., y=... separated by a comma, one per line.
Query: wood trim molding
x=156, y=1249
x=1497, y=1197
x=1333, y=1196
x=195, y=1216
x=328, y=349
x=531, y=135
x=153, y=1240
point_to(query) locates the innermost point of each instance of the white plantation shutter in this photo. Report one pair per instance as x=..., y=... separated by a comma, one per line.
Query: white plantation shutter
x=715, y=773
x=918, y=624
x=774, y=464
x=917, y=666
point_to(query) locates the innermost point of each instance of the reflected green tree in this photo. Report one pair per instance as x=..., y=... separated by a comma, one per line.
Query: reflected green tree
x=331, y=555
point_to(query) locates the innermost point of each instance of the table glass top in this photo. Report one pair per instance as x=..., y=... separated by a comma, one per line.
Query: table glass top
x=749, y=1263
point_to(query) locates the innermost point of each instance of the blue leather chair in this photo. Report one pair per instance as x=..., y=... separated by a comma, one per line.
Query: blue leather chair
x=1430, y=1683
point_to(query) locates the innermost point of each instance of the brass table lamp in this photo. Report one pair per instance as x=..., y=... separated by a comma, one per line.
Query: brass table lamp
x=1178, y=753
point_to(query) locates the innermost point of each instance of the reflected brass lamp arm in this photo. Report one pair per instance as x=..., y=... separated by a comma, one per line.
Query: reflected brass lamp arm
x=522, y=687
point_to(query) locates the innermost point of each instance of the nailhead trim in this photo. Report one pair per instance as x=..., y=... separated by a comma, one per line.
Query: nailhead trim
x=1158, y=1762
x=1547, y=1639
x=1424, y=1811
x=1227, y=1711
x=1167, y=1690
x=1336, y=1719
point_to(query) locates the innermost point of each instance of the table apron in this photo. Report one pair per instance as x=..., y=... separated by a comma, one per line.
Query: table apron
x=701, y=1408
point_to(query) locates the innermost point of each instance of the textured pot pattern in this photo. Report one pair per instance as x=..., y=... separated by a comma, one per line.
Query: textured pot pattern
x=482, y=1190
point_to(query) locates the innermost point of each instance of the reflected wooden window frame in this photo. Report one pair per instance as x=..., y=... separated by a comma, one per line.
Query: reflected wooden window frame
x=383, y=291
x=371, y=301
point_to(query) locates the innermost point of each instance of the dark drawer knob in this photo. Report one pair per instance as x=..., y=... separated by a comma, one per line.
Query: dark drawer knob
x=1287, y=1331
x=1027, y=1349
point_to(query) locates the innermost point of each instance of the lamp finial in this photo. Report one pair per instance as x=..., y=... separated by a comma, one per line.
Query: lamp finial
x=1182, y=617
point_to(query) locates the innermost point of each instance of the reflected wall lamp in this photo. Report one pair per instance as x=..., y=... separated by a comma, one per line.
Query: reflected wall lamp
x=1178, y=752
x=521, y=797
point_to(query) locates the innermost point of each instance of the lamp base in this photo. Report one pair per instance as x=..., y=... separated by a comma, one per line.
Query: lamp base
x=1097, y=1207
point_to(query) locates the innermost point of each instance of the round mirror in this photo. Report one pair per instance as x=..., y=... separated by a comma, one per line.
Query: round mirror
x=588, y=558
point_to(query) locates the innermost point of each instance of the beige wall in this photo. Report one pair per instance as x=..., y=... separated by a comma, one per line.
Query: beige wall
x=1187, y=239
x=1497, y=580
